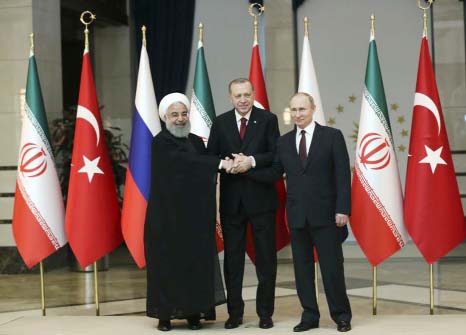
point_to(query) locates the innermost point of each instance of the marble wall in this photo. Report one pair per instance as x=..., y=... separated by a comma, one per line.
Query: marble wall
x=450, y=68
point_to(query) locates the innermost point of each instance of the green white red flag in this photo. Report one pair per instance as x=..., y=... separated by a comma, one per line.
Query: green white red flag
x=202, y=113
x=376, y=194
x=38, y=214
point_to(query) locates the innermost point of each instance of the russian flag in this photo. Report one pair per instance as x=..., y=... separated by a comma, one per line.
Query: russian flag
x=146, y=124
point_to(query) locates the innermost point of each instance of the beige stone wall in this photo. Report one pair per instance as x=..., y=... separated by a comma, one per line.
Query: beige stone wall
x=450, y=68
x=113, y=77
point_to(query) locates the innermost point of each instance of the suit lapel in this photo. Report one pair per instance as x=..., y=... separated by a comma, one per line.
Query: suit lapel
x=250, y=129
x=232, y=129
x=291, y=142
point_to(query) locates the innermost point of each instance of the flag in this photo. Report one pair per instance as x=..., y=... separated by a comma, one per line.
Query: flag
x=283, y=235
x=433, y=212
x=377, y=199
x=146, y=124
x=92, y=213
x=308, y=80
x=38, y=213
x=202, y=113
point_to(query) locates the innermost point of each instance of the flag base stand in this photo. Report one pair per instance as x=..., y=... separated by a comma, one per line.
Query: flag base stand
x=102, y=265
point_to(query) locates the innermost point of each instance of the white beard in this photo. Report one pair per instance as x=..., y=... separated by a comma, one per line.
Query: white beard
x=179, y=131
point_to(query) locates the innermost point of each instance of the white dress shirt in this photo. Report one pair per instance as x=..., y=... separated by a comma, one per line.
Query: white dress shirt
x=238, y=124
x=309, y=133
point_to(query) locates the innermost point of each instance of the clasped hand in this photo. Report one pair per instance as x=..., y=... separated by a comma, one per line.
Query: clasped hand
x=239, y=164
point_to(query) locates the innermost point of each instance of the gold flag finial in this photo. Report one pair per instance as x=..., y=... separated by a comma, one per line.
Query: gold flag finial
x=144, y=29
x=200, y=27
x=424, y=15
x=306, y=26
x=91, y=18
x=372, y=26
x=260, y=11
x=31, y=50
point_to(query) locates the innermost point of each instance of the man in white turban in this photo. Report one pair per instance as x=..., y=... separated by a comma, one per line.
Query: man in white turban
x=183, y=272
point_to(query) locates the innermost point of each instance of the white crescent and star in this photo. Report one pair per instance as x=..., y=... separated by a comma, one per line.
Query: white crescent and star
x=86, y=114
x=90, y=167
x=424, y=101
x=432, y=157
x=258, y=104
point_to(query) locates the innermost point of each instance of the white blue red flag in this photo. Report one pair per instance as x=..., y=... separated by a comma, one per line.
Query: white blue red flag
x=146, y=124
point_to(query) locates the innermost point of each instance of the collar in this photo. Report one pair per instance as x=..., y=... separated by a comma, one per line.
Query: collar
x=309, y=129
x=239, y=116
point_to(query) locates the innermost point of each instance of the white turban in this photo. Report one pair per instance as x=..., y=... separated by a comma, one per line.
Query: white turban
x=170, y=99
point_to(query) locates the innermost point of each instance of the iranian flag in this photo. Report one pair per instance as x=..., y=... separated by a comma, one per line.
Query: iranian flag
x=377, y=200
x=202, y=113
x=38, y=214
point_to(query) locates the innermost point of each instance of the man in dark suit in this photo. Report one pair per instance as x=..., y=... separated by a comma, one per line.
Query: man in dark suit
x=253, y=132
x=318, y=181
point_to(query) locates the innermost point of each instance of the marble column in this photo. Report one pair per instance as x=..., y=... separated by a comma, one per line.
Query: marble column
x=280, y=65
x=280, y=61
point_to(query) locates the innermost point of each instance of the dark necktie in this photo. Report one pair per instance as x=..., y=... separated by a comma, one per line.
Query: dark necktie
x=302, y=147
x=242, y=128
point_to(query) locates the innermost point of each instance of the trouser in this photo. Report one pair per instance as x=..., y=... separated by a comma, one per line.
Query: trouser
x=264, y=237
x=327, y=241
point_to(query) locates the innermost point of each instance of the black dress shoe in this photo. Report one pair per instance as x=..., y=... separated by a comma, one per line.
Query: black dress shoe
x=265, y=323
x=164, y=325
x=233, y=322
x=194, y=324
x=303, y=326
x=343, y=326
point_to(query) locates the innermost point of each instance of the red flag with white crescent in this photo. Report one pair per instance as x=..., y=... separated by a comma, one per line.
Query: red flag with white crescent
x=283, y=234
x=433, y=211
x=92, y=212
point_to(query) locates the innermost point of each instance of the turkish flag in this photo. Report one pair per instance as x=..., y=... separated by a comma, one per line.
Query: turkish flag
x=433, y=212
x=92, y=212
x=283, y=234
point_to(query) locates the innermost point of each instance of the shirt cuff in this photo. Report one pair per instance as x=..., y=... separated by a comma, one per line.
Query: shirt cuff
x=220, y=165
x=253, y=161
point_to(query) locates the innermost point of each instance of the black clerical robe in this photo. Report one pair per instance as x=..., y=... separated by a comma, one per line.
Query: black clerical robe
x=183, y=272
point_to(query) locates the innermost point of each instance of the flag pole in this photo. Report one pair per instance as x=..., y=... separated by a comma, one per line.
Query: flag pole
x=374, y=290
x=306, y=26
x=431, y=271
x=42, y=290
x=90, y=18
x=316, y=268
x=424, y=9
x=260, y=10
x=316, y=281
x=96, y=290
x=200, y=27
x=374, y=268
x=41, y=267
x=144, y=41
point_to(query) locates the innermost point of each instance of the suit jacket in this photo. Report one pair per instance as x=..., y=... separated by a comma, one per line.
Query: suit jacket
x=259, y=141
x=317, y=189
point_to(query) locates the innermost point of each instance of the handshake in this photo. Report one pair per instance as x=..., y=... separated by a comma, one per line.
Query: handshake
x=239, y=164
